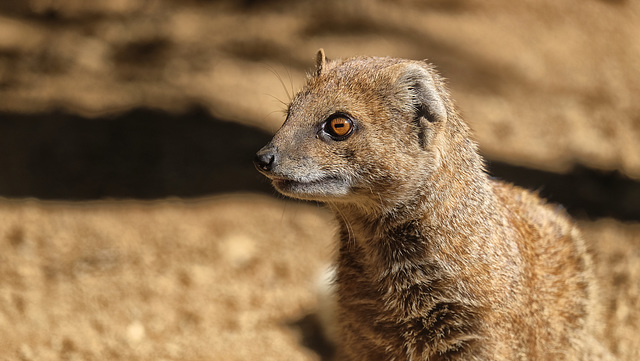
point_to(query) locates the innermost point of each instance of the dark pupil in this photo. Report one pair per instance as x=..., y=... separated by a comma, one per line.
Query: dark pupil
x=339, y=125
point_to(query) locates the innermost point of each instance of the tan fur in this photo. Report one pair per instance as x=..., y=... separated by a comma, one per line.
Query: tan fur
x=436, y=260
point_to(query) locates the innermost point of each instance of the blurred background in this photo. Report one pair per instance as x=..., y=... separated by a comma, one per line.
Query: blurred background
x=133, y=225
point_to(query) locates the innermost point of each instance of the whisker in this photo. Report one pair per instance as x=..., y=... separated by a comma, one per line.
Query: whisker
x=290, y=80
x=279, y=101
x=273, y=70
x=350, y=231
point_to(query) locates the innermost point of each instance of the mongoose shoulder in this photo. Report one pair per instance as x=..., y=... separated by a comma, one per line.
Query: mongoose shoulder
x=436, y=261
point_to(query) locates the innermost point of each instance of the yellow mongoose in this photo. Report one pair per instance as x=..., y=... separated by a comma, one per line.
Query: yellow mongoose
x=436, y=260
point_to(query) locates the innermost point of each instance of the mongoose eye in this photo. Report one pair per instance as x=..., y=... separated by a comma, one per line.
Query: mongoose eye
x=339, y=127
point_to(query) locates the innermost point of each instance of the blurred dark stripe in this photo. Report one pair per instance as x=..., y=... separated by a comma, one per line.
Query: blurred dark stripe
x=584, y=192
x=142, y=154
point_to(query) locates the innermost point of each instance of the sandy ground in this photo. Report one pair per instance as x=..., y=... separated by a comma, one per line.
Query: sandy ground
x=158, y=281
x=133, y=226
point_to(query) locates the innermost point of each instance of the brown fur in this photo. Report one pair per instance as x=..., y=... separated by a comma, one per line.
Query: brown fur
x=436, y=260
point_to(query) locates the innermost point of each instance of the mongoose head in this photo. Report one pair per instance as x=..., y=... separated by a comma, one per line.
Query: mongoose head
x=364, y=130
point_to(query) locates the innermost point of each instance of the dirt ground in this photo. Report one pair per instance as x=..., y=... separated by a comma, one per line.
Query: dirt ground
x=134, y=227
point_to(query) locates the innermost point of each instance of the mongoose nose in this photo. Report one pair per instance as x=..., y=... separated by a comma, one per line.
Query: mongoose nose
x=265, y=159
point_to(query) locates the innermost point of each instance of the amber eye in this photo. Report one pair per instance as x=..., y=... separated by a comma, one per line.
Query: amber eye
x=339, y=127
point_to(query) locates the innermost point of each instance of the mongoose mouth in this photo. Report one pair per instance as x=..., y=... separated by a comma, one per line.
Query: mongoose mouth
x=328, y=186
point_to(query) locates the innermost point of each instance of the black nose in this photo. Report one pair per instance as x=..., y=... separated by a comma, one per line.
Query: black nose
x=265, y=159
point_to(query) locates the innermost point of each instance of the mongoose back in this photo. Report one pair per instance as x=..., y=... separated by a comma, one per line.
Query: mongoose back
x=436, y=260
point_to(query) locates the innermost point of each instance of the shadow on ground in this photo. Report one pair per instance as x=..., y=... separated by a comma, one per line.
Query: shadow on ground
x=312, y=336
x=149, y=154
x=584, y=192
x=141, y=154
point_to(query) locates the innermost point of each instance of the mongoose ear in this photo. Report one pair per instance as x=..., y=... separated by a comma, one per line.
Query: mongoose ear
x=321, y=62
x=425, y=95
